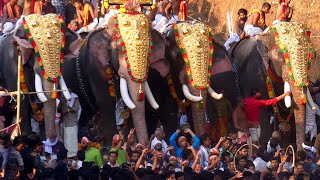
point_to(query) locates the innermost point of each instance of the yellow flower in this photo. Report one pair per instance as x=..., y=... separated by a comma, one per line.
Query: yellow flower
x=122, y=10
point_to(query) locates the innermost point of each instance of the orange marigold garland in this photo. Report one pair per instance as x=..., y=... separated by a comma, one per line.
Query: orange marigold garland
x=109, y=78
x=284, y=123
x=181, y=104
x=37, y=54
x=186, y=60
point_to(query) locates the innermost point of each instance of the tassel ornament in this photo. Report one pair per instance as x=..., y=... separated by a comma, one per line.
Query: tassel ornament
x=54, y=93
x=140, y=94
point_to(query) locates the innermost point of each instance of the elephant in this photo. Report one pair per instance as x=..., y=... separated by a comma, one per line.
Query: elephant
x=131, y=48
x=195, y=74
x=35, y=73
x=285, y=52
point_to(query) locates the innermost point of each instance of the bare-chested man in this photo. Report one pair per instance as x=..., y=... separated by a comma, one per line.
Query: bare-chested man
x=161, y=18
x=288, y=11
x=11, y=14
x=240, y=120
x=256, y=20
x=239, y=24
x=85, y=13
x=27, y=8
x=172, y=10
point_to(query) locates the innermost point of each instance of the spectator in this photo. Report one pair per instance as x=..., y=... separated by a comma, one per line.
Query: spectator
x=113, y=156
x=182, y=141
x=92, y=154
x=15, y=162
x=204, y=149
x=159, y=136
x=117, y=142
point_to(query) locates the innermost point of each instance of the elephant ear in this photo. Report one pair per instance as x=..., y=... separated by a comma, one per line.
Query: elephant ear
x=73, y=44
x=158, y=60
x=25, y=46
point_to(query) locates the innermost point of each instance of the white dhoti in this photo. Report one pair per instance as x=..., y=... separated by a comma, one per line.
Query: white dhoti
x=234, y=38
x=160, y=21
x=8, y=27
x=88, y=28
x=105, y=20
x=70, y=140
x=251, y=30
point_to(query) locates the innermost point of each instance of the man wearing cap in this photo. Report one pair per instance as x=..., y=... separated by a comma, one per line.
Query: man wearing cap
x=182, y=141
x=92, y=154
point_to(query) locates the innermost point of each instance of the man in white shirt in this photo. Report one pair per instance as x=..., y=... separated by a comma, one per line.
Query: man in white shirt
x=113, y=156
x=204, y=150
x=159, y=133
x=259, y=163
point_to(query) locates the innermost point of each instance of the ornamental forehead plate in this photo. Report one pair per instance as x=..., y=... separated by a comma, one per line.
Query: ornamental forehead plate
x=45, y=30
x=134, y=30
x=293, y=36
x=194, y=38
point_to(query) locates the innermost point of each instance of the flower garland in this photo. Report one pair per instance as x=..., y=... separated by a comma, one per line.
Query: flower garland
x=275, y=108
x=37, y=54
x=109, y=78
x=286, y=57
x=124, y=49
x=186, y=60
x=181, y=104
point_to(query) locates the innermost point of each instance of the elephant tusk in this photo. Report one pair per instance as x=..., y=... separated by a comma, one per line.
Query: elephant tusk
x=125, y=95
x=213, y=94
x=64, y=87
x=39, y=89
x=188, y=94
x=310, y=100
x=150, y=97
x=287, y=99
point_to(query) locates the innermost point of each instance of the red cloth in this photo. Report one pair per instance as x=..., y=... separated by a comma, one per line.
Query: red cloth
x=1, y=7
x=252, y=108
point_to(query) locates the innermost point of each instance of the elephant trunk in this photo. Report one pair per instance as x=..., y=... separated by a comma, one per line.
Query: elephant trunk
x=138, y=113
x=198, y=114
x=299, y=114
x=49, y=110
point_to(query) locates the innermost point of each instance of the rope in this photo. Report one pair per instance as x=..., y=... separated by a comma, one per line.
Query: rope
x=293, y=155
x=235, y=70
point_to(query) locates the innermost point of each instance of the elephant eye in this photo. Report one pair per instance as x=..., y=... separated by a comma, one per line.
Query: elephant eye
x=185, y=31
x=143, y=23
x=126, y=23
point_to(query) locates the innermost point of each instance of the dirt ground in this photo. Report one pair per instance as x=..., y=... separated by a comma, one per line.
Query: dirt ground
x=214, y=13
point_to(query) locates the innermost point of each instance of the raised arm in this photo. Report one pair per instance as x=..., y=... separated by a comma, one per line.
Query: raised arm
x=168, y=9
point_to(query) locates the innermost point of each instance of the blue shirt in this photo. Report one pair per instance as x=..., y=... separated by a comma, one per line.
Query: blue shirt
x=177, y=149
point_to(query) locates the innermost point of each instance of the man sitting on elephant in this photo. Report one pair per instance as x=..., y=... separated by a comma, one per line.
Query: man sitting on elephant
x=256, y=20
x=284, y=11
x=252, y=107
x=11, y=14
x=161, y=19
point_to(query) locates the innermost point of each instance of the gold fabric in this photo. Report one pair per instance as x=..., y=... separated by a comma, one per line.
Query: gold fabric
x=134, y=31
x=293, y=36
x=46, y=32
x=142, y=2
x=195, y=40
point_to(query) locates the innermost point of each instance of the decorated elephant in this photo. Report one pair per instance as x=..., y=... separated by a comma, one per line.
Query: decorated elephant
x=201, y=65
x=289, y=50
x=41, y=40
x=129, y=47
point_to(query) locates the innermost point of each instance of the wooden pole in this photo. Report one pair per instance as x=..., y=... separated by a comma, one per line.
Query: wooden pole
x=18, y=94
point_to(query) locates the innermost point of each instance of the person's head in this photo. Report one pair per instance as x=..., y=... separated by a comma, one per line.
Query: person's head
x=302, y=155
x=159, y=134
x=139, y=147
x=226, y=144
x=13, y=2
x=266, y=7
x=18, y=143
x=273, y=144
x=77, y=4
x=85, y=143
x=225, y=156
x=274, y=163
x=62, y=154
x=244, y=151
x=73, y=25
x=81, y=155
x=260, y=152
x=205, y=140
x=182, y=140
x=113, y=155
x=134, y=156
x=158, y=146
x=299, y=168
x=318, y=161
x=52, y=163
x=187, y=154
x=255, y=93
x=276, y=135
x=286, y=2
x=242, y=14
x=242, y=162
